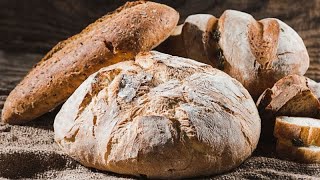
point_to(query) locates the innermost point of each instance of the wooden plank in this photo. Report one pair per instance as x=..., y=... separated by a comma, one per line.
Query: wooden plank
x=37, y=25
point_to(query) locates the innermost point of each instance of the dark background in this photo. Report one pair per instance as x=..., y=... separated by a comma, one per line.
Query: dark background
x=35, y=26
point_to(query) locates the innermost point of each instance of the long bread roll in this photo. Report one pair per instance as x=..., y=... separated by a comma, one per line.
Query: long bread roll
x=137, y=26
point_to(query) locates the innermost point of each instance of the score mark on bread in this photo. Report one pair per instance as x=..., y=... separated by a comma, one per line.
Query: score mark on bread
x=160, y=116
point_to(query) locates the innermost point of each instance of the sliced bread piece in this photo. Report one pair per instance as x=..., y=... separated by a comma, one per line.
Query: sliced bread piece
x=300, y=130
x=287, y=150
x=290, y=96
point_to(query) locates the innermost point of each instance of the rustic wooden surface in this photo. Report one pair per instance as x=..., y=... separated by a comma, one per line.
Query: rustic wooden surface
x=37, y=25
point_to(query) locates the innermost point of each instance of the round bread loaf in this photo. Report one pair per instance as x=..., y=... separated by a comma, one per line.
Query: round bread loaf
x=159, y=116
x=256, y=53
x=259, y=53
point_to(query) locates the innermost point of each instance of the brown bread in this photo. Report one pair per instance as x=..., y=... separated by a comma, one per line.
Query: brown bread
x=302, y=130
x=119, y=36
x=159, y=116
x=290, y=96
x=256, y=53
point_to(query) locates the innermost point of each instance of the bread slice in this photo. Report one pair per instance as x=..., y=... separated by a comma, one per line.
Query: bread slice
x=287, y=150
x=197, y=36
x=302, y=130
x=255, y=52
x=119, y=36
x=290, y=96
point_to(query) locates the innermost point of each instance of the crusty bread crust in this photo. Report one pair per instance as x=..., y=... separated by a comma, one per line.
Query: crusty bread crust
x=290, y=96
x=160, y=116
x=174, y=45
x=286, y=150
x=256, y=53
x=194, y=39
x=307, y=132
x=197, y=33
x=119, y=36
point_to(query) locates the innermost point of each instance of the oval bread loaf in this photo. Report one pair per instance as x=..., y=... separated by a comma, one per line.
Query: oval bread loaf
x=135, y=27
x=196, y=32
x=159, y=116
x=256, y=53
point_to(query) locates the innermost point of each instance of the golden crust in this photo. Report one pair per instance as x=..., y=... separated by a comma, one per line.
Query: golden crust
x=137, y=26
x=286, y=150
x=160, y=116
x=290, y=96
x=255, y=52
x=307, y=131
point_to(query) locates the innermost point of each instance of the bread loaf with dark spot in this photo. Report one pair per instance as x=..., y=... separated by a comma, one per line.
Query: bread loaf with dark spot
x=159, y=116
x=255, y=52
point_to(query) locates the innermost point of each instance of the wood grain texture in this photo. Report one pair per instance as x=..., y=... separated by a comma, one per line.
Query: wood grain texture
x=37, y=25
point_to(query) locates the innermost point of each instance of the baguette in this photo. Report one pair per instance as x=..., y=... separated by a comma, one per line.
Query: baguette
x=300, y=130
x=119, y=36
x=159, y=116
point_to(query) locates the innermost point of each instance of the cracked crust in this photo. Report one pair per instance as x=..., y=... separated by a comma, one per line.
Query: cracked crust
x=259, y=53
x=292, y=95
x=256, y=53
x=159, y=116
x=302, y=129
x=119, y=36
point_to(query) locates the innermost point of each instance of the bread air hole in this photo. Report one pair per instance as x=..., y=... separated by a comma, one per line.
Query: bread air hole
x=297, y=142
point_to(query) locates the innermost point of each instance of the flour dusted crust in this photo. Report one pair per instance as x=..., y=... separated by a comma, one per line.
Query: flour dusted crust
x=159, y=116
x=259, y=53
x=196, y=35
x=302, y=130
x=292, y=95
x=119, y=36
x=255, y=52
